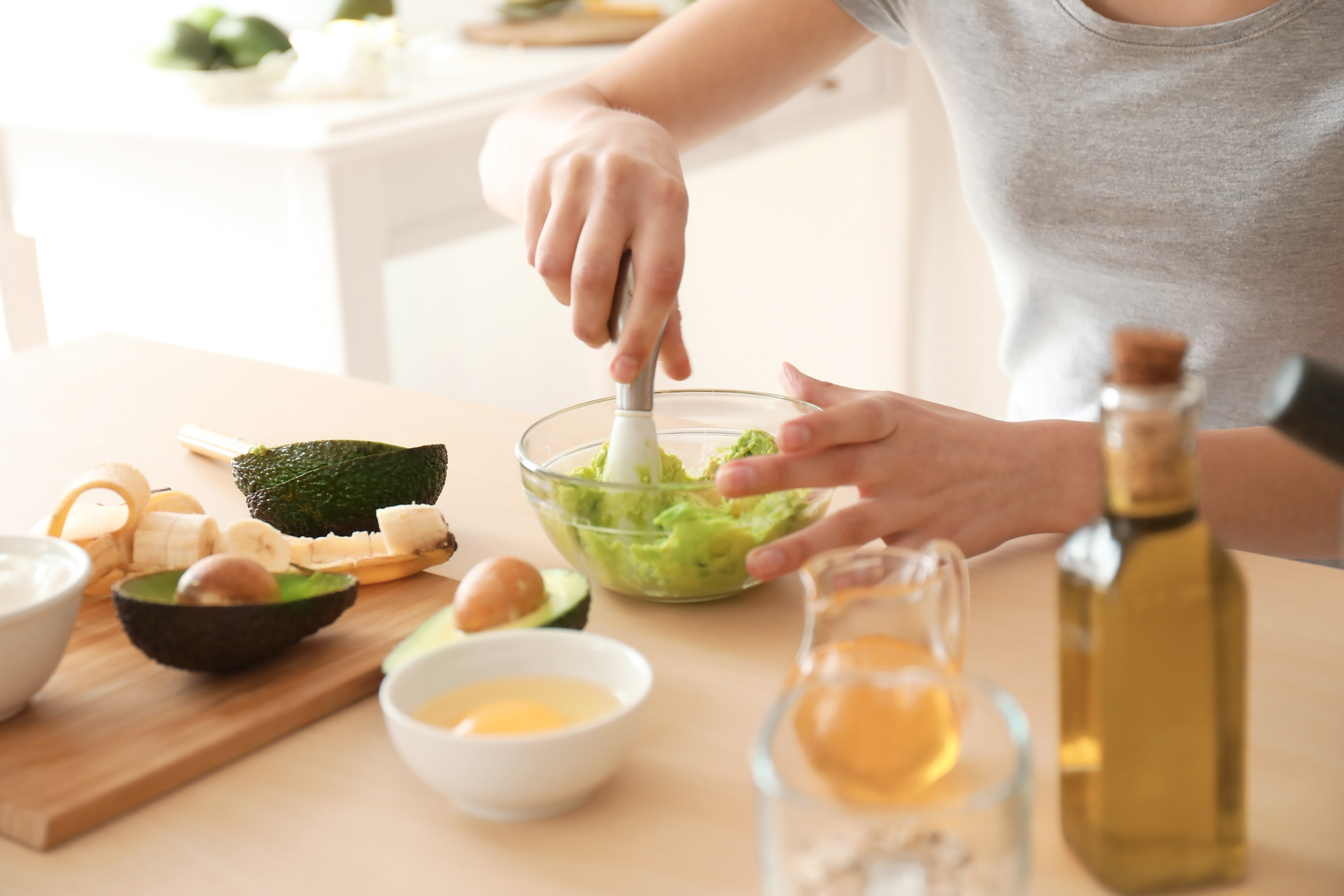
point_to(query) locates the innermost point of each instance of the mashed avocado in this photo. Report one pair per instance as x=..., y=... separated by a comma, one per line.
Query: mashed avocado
x=675, y=543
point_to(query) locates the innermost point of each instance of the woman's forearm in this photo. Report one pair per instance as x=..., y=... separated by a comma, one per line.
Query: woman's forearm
x=1264, y=493
x=519, y=138
x=711, y=66
x=1259, y=491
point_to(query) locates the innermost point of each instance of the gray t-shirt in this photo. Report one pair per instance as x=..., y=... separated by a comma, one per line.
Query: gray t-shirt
x=1189, y=178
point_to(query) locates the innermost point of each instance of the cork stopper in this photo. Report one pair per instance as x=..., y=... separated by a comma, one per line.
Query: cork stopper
x=1148, y=357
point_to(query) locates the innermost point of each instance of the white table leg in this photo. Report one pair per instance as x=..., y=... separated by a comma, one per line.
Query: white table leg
x=338, y=233
x=25, y=320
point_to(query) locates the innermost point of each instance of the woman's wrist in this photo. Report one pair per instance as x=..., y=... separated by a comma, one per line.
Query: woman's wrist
x=1063, y=463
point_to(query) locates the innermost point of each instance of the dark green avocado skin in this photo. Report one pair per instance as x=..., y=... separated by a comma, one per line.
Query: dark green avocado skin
x=264, y=467
x=227, y=638
x=344, y=498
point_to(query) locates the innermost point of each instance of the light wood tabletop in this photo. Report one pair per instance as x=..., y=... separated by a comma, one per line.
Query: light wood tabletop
x=330, y=809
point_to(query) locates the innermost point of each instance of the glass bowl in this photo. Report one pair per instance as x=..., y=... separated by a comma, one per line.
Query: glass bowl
x=675, y=540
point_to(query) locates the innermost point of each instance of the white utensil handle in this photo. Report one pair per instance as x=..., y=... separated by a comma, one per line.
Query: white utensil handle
x=207, y=442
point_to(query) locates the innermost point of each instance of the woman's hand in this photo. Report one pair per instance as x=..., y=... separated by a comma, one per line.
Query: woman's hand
x=922, y=470
x=612, y=180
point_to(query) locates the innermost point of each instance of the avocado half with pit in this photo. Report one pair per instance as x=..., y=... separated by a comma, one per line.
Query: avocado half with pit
x=566, y=606
x=226, y=638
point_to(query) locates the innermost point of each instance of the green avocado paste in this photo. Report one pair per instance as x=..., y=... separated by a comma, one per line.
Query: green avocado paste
x=677, y=543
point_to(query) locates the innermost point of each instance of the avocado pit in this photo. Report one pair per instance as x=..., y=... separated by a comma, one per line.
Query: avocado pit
x=224, y=580
x=497, y=591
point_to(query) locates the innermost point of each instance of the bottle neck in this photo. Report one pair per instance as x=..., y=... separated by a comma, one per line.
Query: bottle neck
x=1148, y=452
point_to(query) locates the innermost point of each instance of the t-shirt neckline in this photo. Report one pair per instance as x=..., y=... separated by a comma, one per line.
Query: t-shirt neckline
x=1191, y=36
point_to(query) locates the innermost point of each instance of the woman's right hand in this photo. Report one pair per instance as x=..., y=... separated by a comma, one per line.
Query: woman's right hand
x=612, y=180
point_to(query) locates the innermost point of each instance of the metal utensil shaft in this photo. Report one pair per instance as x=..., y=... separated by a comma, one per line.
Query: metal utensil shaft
x=637, y=395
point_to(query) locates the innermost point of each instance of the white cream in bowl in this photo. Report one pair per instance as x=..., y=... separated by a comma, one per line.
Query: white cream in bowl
x=41, y=581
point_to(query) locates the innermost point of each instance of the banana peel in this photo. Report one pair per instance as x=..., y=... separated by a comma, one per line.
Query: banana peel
x=105, y=532
x=387, y=567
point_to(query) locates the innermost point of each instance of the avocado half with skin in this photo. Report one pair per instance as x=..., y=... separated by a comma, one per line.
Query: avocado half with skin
x=230, y=637
x=566, y=606
x=312, y=489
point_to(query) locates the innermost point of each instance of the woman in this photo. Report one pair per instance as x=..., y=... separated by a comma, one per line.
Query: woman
x=1127, y=161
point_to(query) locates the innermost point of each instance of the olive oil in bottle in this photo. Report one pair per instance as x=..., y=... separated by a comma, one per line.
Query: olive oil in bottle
x=1152, y=653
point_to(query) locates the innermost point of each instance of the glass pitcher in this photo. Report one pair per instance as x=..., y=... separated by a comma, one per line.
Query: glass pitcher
x=877, y=609
x=872, y=612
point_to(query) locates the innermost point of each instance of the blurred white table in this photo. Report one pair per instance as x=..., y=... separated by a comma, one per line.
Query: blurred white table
x=340, y=186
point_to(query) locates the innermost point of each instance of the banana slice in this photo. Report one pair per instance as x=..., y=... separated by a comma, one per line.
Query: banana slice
x=300, y=550
x=256, y=540
x=105, y=555
x=174, y=501
x=173, y=540
x=412, y=528
x=339, y=549
x=124, y=479
x=109, y=564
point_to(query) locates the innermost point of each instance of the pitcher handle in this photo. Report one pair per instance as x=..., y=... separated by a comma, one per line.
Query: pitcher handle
x=954, y=594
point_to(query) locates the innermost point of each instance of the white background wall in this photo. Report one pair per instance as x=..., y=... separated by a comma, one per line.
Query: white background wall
x=798, y=252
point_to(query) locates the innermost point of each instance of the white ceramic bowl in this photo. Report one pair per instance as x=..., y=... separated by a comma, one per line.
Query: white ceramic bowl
x=521, y=777
x=41, y=580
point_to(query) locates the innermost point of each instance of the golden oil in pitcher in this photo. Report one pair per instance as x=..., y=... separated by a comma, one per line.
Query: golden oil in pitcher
x=1152, y=653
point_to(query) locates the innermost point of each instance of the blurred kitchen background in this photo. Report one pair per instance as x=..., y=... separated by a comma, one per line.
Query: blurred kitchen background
x=347, y=235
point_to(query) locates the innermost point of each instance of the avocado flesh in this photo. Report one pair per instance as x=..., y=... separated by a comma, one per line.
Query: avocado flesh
x=224, y=639
x=566, y=606
x=344, y=497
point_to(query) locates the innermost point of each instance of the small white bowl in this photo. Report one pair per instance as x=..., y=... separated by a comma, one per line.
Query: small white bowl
x=522, y=777
x=41, y=580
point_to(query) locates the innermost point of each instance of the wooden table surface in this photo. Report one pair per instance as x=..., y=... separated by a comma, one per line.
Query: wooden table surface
x=330, y=809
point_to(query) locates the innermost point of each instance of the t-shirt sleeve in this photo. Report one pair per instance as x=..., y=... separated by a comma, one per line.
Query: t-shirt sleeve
x=882, y=17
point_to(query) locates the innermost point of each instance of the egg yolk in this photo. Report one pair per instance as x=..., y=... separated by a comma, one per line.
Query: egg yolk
x=510, y=717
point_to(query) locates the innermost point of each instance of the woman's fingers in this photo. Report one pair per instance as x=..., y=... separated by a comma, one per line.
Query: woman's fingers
x=853, y=526
x=536, y=208
x=845, y=465
x=597, y=263
x=658, y=252
x=558, y=242
x=819, y=392
x=862, y=417
x=676, y=361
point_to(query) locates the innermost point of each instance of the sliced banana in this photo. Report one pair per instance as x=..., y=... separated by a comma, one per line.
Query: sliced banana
x=174, y=501
x=378, y=543
x=105, y=555
x=173, y=540
x=256, y=540
x=300, y=550
x=412, y=528
x=331, y=549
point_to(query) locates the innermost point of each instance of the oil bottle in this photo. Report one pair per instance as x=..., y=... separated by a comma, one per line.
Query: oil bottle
x=1152, y=653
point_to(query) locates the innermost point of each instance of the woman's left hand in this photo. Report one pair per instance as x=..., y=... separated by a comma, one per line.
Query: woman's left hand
x=922, y=471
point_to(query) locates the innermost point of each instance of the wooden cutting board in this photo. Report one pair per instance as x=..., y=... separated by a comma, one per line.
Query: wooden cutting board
x=567, y=29
x=112, y=729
